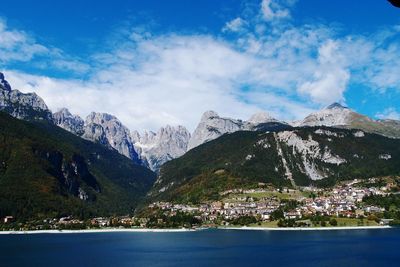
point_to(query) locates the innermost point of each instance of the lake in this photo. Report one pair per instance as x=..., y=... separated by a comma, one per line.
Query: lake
x=377, y=247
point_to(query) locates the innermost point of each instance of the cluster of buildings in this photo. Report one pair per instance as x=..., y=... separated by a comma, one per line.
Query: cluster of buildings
x=344, y=200
x=70, y=222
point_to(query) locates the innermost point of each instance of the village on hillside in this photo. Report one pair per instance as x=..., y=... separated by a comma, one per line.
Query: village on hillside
x=350, y=203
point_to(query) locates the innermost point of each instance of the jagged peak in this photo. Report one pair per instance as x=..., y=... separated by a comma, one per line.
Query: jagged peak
x=209, y=115
x=64, y=111
x=3, y=83
x=170, y=128
x=261, y=117
x=102, y=116
x=336, y=105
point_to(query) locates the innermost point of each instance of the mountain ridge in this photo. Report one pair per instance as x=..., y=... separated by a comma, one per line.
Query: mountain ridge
x=304, y=156
x=151, y=151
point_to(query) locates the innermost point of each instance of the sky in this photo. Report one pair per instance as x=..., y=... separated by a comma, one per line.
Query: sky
x=155, y=62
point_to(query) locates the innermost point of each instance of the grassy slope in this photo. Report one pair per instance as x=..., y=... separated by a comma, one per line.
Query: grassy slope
x=30, y=187
x=221, y=164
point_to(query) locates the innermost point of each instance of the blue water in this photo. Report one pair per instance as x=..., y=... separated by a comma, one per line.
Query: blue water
x=205, y=248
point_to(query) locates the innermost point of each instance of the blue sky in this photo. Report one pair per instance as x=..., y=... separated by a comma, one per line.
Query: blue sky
x=152, y=63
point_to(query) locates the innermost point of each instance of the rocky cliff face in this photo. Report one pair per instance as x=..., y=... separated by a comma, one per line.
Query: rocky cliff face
x=333, y=115
x=212, y=126
x=336, y=115
x=4, y=85
x=72, y=123
x=149, y=149
x=22, y=106
x=108, y=130
x=157, y=148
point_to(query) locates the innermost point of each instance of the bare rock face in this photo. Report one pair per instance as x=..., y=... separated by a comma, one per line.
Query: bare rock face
x=212, y=126
x=4, y=85
x=309, y=151
x=22, y=106
x=108, y=130
x=157, y=148
x=72, y=123
x=261, y=117
x=333, y=115
x=336, y=115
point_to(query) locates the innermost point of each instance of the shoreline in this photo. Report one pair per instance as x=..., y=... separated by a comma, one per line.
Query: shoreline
x=144, y=230
x=244, y=228
x=105, y=230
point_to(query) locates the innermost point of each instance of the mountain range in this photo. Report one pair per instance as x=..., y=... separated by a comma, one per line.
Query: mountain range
x=154, y=149
x=222, y=153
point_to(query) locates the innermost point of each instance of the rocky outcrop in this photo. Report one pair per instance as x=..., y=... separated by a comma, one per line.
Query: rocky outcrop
x=72, y=123
x=157, y=148
x=22, y=106
x=108, y=130
x=333, y=115
x=336, y=115
x=212, y=126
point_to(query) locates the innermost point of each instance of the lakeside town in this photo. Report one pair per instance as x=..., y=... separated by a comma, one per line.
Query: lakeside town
x=304, y=207
x=351, y=203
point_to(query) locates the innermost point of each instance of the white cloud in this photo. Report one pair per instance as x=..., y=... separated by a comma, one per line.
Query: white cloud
x=389, y=113
x=17, y=45
x=150, y=80
x=173, y=80
x=330, y=78
x=272, y=9
x=234, y=25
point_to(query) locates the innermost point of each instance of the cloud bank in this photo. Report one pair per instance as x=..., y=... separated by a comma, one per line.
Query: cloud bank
x=258, y=62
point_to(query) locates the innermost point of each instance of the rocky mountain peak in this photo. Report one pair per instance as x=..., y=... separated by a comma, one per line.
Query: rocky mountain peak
x=72, y=123
x=64, y=112
x=101, y=118
x=157, y=148
x=209, y=115
x=333, y=115
x=261, y=117
x=3, y=83
x=336, y=105
x=106, y=128
x=212, y=126
x=22, y=106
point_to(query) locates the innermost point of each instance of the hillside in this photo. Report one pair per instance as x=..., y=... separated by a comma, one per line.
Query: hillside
x=302, y=156
x=46, y=171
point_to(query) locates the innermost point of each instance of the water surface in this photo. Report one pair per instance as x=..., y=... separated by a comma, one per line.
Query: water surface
x=378, y=247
